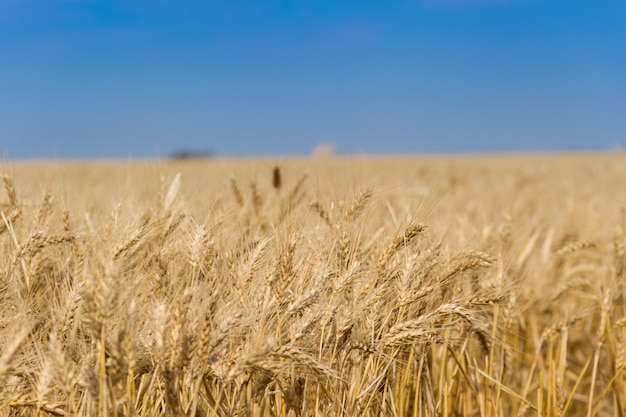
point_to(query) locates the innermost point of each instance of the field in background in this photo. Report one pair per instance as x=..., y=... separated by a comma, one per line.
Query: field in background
x=357, y=287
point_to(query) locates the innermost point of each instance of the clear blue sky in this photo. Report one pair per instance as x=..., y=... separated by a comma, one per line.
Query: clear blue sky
x=145, y=78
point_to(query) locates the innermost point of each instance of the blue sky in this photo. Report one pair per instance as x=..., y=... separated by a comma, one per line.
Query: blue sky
x=145, y=78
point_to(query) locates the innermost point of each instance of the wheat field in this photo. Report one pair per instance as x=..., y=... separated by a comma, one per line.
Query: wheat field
x=440, y=286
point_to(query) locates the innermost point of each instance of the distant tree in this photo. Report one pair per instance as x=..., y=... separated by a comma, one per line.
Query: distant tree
x=190, y=154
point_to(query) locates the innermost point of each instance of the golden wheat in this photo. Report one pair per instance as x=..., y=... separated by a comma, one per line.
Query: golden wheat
x=414, y=287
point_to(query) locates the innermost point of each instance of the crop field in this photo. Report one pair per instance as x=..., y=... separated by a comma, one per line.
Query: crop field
x=440, y=286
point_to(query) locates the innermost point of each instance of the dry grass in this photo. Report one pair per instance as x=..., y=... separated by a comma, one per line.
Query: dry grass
x=405, y=287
